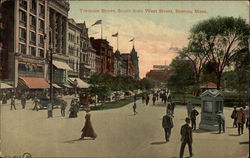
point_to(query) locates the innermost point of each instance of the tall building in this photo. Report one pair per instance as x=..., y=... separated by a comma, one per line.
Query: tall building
x=159, y=75
x=24, y=42
x=117, y=63
x=88, y=58
x=135, y=59
x=3, y=42
x=57, y=26
x=128, y=64
x=73, y=48
x=104, y=56
x=35, y=29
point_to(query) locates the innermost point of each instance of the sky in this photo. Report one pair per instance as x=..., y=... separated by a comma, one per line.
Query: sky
x=155, y=32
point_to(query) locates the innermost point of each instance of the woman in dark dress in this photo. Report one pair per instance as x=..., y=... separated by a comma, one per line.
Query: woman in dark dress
x=88, y=130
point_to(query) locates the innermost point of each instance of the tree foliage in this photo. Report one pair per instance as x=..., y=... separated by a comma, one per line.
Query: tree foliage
x=104, y=84
x=220, y=39
x=182, y=77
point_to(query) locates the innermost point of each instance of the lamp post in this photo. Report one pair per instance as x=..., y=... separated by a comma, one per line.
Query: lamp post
x=50, y=62
x=15, y=72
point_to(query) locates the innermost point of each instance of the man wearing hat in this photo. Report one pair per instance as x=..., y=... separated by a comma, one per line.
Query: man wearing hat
x=12, y=104
x=167, y=124
x=233, y=116
x=240, y=120
x=186, y=138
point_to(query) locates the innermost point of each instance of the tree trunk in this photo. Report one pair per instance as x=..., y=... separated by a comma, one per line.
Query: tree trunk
x=218, y=76
x=95, y=100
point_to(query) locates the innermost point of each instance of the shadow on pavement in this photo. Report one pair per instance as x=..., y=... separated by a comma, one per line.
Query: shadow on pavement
x=242, y=143
x=233, y=135
x=72, y=141
x=200, y=131
x=77, y=140
x=230, y=127
x=216, y=133
x=158, y=143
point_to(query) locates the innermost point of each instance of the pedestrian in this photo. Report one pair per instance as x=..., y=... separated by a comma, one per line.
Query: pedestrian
x=234, y=117
x=221, y=122
x=165, y=98
x=143, y=98
x=13, y=104
x=36, y=103
x=189, y=108
x=157, y=95
x=5, y=98
x=247, y=116
x=63, y=107
x=167, y=125
x=147, y=99
x=193, y=115
x=88, y=130
x=171, y=108
x=186, y=138
x=23, y=101
x=162, y=96
x=73, y=109
x=240, y=120
x=134, y=108
x=135, y=98
x=50, y=108
x=154, y=99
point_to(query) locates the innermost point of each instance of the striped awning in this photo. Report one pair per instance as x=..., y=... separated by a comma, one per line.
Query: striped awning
x=5, y=86
x=56, y=86
x=80, y=83
x=61, y=65
x=33, y=83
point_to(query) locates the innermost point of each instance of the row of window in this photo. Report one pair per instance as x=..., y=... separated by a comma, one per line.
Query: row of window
x=23, y=17
x=30, y=68
x=74, y=65
x=32, y=50
x=32, y=37
x=23, y=4
x=72, y=50
x=72, y=38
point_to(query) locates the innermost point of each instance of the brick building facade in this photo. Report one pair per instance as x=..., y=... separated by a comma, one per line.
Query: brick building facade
x=104, y=56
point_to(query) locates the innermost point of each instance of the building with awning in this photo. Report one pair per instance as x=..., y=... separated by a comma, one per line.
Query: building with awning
x=80, y=83
x=56, y=86
x=60, y=72
x=33, y=83
x=61, y=65
x=5, y=86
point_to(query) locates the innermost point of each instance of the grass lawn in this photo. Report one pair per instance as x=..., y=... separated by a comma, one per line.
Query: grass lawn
x=230, y=99
x=112, y=105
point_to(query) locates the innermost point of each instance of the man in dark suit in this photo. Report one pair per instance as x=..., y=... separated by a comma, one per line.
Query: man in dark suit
x=167, y=124
x=186, y=138
x=193, y=115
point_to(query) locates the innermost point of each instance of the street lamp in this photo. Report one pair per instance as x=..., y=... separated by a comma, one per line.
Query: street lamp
x=50, y=52
x=15, y=71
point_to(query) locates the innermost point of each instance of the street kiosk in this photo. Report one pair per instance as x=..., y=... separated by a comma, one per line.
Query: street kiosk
x=212, y=103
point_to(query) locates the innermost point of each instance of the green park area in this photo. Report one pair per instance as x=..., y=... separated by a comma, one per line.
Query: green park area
x=216, y=57
x=216, y=54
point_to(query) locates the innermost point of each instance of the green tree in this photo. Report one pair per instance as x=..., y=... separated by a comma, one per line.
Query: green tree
x=182, y=79
x=146, y=84
x=220, y=39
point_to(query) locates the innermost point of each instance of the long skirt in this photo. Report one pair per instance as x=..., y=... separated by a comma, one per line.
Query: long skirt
x=88, y=130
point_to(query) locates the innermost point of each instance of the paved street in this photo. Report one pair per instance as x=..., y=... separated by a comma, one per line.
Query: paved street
x=120, y=134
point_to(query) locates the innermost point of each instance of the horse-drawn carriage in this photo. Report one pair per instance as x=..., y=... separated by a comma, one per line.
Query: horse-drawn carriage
x=85, y=99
